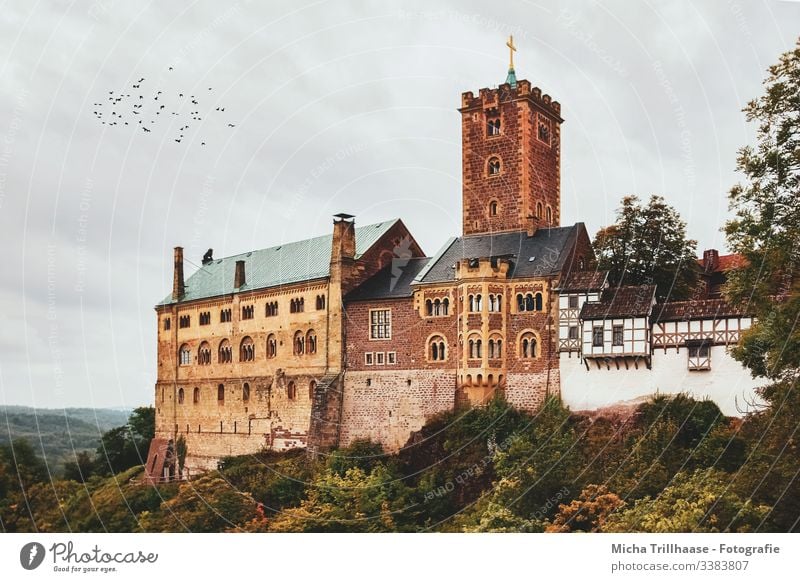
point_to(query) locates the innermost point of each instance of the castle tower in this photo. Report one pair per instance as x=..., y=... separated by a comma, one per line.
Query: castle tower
x=511, y=157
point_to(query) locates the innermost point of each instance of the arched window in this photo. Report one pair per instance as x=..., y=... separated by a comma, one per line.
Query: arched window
x=538, y=210
x=493, y=126
x=493, y=208
x=196, y=396
x=247, y=350
x=528, y=346
x=495, y=348
x=445, y=306
x=225, y=355
x=428, y=307
x=221, y=393
x=549, y=215
x=245, y=392
x=320, y=302
x=529, y=304
x=494, y=166
x=472, y=303
x=538, y=302
x=311, y=387
x=437, y=350
x=311, y=341
x=478, y=302
x=184, y=355
x=204, y=354
x=475, y=349
x=180, y=396
x=272, y=346
x=437, y=307
x=498, y=302
x=299, y=344
x=291, y=390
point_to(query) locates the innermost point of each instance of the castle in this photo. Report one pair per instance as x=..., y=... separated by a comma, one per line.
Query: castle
x=359, y=335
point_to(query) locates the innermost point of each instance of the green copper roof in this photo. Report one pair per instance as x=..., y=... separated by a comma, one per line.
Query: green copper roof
x=511, y=78
x=279, y=265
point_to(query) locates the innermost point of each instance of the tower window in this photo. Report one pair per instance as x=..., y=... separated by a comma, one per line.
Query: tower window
x=493, y=126
x=167, y=324
x=539, y=210
x=549, y=215
x=494, y=166
x=493, y=208
x=543, y=131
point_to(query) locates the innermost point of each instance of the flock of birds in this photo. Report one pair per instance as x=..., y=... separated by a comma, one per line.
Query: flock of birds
x=139, y=110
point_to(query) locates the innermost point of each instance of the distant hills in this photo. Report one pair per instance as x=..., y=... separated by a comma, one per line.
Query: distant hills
x=57, y=434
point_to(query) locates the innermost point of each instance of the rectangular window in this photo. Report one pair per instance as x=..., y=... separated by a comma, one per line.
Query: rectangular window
x=391, y=358
x=380, y=324
x=368, y=358
x=616, y=337
x=573, y=332
x=573, y=302
x=379, y=358
x=699, y=357
x=597, y=336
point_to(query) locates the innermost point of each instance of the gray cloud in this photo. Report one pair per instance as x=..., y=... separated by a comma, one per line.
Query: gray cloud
x=338, y=106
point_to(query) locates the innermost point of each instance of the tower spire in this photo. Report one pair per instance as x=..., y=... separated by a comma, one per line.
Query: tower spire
x=511, y=78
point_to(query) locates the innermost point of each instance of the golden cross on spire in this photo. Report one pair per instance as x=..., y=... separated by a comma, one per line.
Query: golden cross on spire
x=511, y=50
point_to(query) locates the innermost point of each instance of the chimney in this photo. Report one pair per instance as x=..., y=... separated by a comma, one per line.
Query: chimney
x=238, y=277
x=178, y=285
x=344, y=238
x=710, y=260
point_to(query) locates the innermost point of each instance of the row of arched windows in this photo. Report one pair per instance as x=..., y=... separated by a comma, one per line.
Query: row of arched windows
x=291, y=392
x=529, y=302
x=248, y=311
x=297, y=305
x=437, y=307
x=303, y=343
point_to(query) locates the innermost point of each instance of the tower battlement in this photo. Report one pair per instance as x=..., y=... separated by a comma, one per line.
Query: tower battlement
x=489, y=98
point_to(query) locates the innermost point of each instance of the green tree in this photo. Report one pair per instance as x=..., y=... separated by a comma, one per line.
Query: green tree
x=647, y=245
x=587, y=513
x=81, y=468
x=701, y=502
x=126, y=446
x=766, y=231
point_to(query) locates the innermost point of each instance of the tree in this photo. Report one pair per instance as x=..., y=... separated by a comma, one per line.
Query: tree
x=81, y=468
x=126, y=446
x=587, y=513
x=766, y=231
x=648, y=246
x=700, y=502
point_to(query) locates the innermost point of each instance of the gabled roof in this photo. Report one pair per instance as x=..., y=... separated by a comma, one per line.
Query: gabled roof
x=284, y=264
x=629, y=301
x=699, y=309
x=391, y=282
x=540, y=255
x=578, y=281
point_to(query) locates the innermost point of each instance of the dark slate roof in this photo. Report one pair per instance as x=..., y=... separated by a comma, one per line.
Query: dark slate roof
x=700, y=309
x=632, y=301
x=391, y=282
x=583, y=281
x=284, y=264
x=541, y=255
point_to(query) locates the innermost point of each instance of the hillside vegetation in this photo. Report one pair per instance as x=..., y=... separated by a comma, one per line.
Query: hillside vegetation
x=673, y=464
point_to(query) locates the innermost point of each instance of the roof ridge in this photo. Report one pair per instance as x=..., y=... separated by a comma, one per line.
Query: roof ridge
x=303, y=240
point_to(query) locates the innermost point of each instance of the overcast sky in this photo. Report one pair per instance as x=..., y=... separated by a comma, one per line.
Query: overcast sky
x=336, y=106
